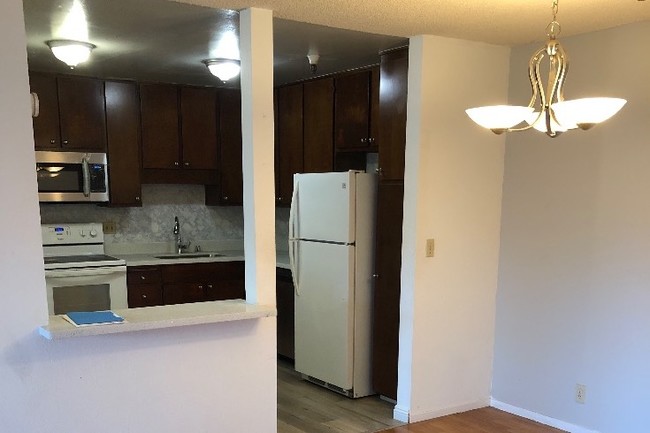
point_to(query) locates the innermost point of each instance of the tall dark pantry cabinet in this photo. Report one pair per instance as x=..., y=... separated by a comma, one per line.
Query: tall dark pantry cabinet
x=391, y=141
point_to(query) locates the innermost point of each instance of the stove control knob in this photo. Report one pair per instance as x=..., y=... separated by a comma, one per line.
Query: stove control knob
x=93, y=233
x=82, y=233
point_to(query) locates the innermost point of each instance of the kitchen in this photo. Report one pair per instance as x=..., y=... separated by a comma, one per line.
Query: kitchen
x=36, y=373
x=140, y=224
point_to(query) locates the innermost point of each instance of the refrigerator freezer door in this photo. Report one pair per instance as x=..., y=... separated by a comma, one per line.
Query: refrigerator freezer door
x=324, y=318
x=323, y=207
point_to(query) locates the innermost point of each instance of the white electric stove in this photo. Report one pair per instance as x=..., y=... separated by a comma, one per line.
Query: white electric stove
x=79, y=276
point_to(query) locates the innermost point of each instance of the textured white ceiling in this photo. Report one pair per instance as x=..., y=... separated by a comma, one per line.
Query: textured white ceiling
x=503, y=22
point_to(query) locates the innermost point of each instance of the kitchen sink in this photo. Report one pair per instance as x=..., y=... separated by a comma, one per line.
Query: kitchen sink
x=187, y=256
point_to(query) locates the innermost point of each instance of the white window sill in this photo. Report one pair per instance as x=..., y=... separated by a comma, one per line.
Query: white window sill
x=167, y=316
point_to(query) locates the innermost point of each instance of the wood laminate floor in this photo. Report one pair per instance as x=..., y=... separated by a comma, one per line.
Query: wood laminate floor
x=485, y=420
x=307, y=408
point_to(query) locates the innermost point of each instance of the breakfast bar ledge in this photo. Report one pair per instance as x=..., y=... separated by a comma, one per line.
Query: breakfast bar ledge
x=160, y=317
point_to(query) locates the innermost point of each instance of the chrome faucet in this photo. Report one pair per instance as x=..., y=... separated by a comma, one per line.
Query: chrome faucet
x=179, y=246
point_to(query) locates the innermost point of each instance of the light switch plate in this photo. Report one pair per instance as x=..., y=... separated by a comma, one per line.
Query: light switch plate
x=430, y=248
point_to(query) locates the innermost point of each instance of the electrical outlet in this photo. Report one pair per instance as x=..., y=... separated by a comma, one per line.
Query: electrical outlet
x=429, y=252
x=581, y=393
x=109, y=227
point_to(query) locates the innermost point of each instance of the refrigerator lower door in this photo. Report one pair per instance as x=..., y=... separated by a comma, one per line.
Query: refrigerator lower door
x=324, y=317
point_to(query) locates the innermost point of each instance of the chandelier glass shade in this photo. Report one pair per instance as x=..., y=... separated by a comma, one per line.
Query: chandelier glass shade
x=547, y=110
x=70, y=52
x=224, y=69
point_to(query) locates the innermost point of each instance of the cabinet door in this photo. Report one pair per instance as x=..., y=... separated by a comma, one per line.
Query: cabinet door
x=145, y=295
x=392, y=126
x=123, y=135
x=227, y=289
x=286, y=313
x=387, y=288
x=46, y=125
x=199, y=128
x=81, y=114
x=352, y=111
x=290, y=143
x=230, y=144
x=318, y=112
x=160, y=126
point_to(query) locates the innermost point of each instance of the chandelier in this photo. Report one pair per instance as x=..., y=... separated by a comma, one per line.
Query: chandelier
x=547, y=110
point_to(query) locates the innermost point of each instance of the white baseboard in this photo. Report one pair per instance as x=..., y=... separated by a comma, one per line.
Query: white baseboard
x=552, y=422
x=400, y=414
x=403, y=414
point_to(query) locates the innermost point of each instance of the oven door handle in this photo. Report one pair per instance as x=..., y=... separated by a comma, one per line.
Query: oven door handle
x=84, y=272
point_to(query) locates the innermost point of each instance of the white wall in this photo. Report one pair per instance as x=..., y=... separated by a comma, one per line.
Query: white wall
x=209, y=378
x=573, y=302
x=452, y=185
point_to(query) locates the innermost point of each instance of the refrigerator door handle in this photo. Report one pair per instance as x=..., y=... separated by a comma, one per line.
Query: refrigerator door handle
x=293, y=210
x=293, y=260
x=293, y=243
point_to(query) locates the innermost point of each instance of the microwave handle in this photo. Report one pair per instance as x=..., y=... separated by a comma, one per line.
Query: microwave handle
x=86, y=175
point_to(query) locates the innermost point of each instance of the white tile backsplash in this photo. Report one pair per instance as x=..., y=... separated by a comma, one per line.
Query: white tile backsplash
x=154, y=221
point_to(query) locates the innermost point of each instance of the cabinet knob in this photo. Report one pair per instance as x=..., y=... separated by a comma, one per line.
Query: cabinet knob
x=137, y=198
x=176, y=164
x=52, y=141
x=371, y=140
x=363, y=140
x=379, y=171
x=278, y=198
x=65, y=141
x=142, y=277
x=200, y=286
x=144, y=296
x=186, y=164
x=375, y=276
x=209, y=286
x=225, y=198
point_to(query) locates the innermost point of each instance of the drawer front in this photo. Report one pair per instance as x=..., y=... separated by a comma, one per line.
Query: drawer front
x=143, y=275
x=202, y=272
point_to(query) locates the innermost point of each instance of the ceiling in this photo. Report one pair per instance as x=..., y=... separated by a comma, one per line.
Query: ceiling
x=160, y=40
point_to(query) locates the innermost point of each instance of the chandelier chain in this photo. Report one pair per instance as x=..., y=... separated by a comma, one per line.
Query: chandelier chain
x=553, y=28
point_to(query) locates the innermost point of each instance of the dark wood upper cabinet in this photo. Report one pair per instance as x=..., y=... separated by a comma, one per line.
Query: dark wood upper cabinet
x=198, y=127
x=123, y=137
x=290, y=139
x=82, y=114
x=354, y=111
x=160, y=126
x=318, y=121
x=47, y=133
x=230, y=146
x=388, y=247
x=392, y=108
x=71, y=113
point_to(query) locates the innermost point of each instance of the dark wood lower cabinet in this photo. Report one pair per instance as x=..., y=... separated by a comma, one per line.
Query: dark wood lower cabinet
x=285, y=306
x=388, y=265
x=185, y=283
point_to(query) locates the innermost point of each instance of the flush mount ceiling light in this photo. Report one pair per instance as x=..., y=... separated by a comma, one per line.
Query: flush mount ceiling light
x=547, y=110
x=70, y=52
x=224, y=69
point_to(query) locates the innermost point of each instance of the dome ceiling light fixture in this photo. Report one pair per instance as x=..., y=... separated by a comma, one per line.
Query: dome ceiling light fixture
x=224, y=69
x=70, y=52
x=552, y=114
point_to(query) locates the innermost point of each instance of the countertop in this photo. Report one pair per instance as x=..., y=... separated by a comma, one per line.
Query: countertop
x=166, y=316
x=150, y=259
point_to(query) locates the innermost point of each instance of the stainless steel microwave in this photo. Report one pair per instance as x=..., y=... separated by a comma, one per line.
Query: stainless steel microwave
x=71, y=176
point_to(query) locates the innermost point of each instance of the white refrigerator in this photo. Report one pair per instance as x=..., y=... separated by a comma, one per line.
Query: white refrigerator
x=331, y=244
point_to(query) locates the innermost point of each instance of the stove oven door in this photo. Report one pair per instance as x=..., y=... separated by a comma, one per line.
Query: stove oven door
x=86, y=289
